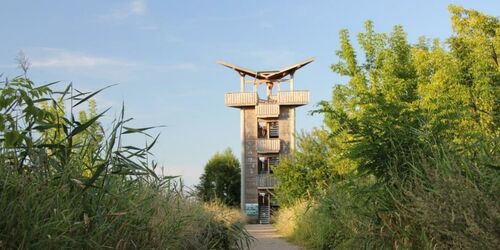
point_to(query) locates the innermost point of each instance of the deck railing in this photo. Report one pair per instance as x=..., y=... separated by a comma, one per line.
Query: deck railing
x=268, y=145
x=299, y=97
x=240, y=99
x=266, y=181
x=264, y=110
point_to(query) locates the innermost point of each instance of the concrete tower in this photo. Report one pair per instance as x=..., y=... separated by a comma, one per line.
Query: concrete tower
x=267, y=132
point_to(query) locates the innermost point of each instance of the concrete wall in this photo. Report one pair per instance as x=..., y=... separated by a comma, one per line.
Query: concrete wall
x=250, y=155
x=250, y=164
x=284, y=123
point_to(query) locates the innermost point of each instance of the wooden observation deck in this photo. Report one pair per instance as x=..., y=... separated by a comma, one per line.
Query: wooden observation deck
x=267, y=131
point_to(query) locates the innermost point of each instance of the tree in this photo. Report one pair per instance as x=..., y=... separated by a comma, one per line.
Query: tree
x=221, y=179
x=402, y=95
x=401, y=98
x=416, y=125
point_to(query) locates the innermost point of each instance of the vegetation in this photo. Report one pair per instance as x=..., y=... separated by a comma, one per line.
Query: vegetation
x=69, y=183
x=408, y=156
x=221, y=179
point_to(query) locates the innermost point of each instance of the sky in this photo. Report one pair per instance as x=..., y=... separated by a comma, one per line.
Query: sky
x=162, y=55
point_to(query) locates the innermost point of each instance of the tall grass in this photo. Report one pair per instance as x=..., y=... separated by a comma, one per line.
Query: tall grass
x=444, y=202
x=288, y=218
x=69, y=183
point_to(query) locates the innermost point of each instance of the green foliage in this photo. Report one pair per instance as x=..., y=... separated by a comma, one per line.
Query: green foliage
x=308, y=172
x=221, y=179
x=442, y=203
x=416, y=128
x=403, y=95
x=67, y=184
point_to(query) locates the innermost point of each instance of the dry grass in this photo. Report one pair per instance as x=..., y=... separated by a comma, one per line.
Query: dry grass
x=288, y=218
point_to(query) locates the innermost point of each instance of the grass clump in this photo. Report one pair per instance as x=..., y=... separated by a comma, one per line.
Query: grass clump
x=66, y=182
x=287, y=218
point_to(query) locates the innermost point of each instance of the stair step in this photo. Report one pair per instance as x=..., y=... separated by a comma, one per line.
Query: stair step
x=264, y=214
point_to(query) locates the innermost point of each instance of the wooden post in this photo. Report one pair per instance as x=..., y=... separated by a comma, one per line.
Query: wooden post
x=292, y=129
x=242, y=83
x=291, y=81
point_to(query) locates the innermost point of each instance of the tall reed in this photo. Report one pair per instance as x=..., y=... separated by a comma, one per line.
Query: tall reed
x=69, y=183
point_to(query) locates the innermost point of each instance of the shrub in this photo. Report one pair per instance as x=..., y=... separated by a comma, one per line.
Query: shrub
x=444, y=203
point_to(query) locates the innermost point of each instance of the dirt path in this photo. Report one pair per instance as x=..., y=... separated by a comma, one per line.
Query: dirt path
x=266, y=238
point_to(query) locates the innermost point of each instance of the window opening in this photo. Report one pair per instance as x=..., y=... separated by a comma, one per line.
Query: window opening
x=267, y=129
x=262, y=130
x=273, y=163
x=274, y=130
x=266, y=164
x=263, y=165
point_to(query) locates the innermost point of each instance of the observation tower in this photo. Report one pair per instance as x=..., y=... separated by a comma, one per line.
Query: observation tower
x=267, y=125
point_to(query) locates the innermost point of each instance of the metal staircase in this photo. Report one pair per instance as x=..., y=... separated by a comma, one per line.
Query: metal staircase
x=264, y=215
x=274, y=130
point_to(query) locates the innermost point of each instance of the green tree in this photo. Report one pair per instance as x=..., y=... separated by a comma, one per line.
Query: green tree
x=221, y=179
x=401, y=98
x=417, y=126
x=371, y=118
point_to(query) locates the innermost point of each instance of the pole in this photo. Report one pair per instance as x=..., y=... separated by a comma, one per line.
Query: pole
x=243, y=165
x=242, y=83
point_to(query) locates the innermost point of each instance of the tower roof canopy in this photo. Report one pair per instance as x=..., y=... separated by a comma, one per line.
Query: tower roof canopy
x=267, y=75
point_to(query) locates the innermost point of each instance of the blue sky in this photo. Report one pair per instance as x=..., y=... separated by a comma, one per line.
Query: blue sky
x=162, y=54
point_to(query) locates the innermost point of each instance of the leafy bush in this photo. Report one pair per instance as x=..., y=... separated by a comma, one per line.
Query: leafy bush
x=442, y=204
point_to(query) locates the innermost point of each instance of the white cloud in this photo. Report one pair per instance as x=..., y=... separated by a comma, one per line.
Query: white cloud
x=57, y=58
x=137, y=7
x=133, y=8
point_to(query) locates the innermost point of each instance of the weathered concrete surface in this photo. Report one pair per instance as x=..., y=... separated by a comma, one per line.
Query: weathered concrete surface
x=266, y=238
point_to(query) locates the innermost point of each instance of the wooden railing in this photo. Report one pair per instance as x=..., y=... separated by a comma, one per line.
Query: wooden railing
x=240, y=99
x=267, y=108
x=268, y=145
x=266, y=180
x=299, y=97
x=264, y=110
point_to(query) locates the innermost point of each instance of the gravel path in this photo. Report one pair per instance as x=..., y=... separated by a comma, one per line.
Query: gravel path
x=266, y=238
